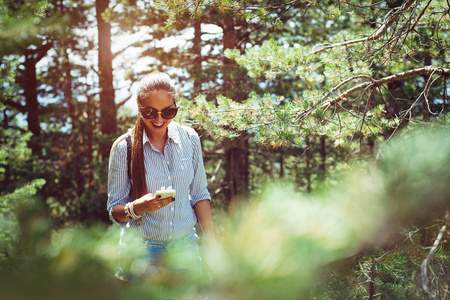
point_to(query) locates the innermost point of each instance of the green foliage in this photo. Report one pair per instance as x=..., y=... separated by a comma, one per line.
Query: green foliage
x=276, y=59
x=8, y=86
x=14, y=155
x=281, y=243
x=71, y=266
x=23, y=23
x=275, y=123
x=285, y=237
x=9, y=224
x=271, y=60
x=21, y=194
x=319, y=73
x=395, y=273
x=277, y=246
x=14, y=151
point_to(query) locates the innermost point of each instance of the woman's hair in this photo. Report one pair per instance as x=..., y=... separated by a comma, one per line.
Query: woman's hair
x=153, y=82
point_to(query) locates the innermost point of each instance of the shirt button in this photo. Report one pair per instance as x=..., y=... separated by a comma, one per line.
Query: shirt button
x=170, y=223
x=172, y=208
x=170, y=178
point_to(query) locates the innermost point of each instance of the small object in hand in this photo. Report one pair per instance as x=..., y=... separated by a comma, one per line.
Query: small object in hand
x=165, y=192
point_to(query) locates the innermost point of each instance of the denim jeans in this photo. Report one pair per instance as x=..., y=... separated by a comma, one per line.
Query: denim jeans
x=181, y=255
x=178, y=256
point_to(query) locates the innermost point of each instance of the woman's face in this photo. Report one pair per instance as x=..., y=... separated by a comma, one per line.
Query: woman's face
x=158, y=100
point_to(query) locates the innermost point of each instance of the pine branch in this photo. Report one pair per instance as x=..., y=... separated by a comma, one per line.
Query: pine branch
x=392, y=16
x=428, y=70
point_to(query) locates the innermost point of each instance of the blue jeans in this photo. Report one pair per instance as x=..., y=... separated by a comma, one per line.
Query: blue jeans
x=178, y=256
x=181, y=255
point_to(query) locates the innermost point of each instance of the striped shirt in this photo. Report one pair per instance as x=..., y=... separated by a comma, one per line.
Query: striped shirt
x=181, y=166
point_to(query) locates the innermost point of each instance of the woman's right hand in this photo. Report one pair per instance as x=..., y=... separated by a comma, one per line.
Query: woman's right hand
x=149, y=203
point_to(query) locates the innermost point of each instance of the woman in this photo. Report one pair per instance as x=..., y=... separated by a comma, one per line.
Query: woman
x=163, y=154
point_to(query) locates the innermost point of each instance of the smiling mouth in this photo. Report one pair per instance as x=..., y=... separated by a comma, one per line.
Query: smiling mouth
x=158, y=125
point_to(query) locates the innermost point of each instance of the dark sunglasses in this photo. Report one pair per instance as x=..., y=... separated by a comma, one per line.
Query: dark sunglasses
x=166, y=113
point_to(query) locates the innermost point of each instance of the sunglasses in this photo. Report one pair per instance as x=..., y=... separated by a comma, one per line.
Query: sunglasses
x=166, y=113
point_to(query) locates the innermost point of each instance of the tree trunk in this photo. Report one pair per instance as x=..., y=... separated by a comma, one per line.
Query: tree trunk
x=236, y=166
x=323, y=156
x=108, y=110
x=76, y=150
x=308, y=164
x=196, y=51
x=67, y=89
x=29, y=85
x=229, y=42
x=236, y=152
x=31, y=94
x=281, y=150
x=4, y=164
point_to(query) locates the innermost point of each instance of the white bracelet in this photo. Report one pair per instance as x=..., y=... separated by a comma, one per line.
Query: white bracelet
x=129, y=211
x=132, y=211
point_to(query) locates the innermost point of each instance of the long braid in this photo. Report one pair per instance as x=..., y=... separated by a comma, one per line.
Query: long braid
x=137, y=160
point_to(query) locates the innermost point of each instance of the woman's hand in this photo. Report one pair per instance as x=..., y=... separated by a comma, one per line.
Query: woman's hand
x=149, y=203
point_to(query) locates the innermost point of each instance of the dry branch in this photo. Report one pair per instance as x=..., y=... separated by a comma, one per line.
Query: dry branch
x=426, y=262
x=125, y=100
x=428, y=70
x=390, y=19
x=16, y=105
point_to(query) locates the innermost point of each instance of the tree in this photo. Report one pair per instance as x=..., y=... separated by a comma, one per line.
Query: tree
x=227, y=78
x=357, y=87
x=62, y=92
x=33, y=45
x=108, y=110
x=335, y=104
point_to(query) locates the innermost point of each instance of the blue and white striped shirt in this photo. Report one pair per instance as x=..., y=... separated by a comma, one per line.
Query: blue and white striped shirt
x=181, y=166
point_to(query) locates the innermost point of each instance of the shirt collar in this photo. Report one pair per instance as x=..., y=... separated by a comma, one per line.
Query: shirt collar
x=172, y=131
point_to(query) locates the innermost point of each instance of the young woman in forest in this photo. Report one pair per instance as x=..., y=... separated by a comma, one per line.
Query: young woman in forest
x=163, y=154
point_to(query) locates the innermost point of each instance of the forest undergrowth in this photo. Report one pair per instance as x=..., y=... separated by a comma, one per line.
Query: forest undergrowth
x=379, y=232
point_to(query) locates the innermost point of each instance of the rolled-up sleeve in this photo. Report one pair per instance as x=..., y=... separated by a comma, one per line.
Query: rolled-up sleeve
x=199, y=186
x=119, y=184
